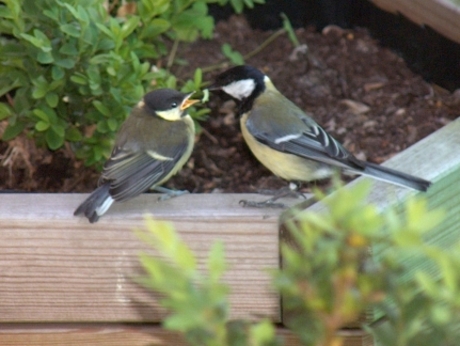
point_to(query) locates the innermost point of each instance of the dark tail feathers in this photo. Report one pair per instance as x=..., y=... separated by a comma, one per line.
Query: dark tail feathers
x=91, y=206
x=395, y=177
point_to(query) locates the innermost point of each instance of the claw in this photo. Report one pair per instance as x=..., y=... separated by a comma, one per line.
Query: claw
x=265, y=204
x=167, y=193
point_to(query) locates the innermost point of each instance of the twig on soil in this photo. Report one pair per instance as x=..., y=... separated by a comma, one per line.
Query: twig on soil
x=172, y=54
x=225, y=63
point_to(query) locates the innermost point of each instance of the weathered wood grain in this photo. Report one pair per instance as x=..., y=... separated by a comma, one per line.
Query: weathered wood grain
x=56, y=267
x=441, y=15
x=122, y=335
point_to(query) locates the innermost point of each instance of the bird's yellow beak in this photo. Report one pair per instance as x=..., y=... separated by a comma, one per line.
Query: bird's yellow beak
x=188, y=102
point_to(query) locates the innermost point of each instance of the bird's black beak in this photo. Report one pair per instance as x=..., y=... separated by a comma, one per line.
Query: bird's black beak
x=214, y=87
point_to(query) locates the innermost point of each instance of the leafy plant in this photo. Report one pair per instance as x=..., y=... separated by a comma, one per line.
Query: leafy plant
x=199, y=304
x=330, y=277
x=70, y=71
x=340, y=263
x=235, y=57
x=238, y=5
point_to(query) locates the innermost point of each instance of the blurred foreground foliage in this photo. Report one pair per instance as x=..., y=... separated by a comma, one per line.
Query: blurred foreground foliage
x=339, y=264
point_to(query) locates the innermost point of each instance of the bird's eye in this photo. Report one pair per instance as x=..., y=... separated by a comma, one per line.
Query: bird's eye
x=174, y=105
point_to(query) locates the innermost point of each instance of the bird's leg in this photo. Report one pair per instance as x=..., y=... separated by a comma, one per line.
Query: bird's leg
x=168, y=193
x=288, y=191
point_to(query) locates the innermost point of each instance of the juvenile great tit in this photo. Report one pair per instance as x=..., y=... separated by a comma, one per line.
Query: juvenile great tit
x=153, y=144
x=288, y=141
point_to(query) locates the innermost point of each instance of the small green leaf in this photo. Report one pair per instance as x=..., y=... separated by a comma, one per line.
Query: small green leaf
x=52, y=14
x=290, y=30
x=65, y=63
x=39, y=91
x=105, y=30
x=70, y=30
x=90, y=37
x=101, y=107
x=60, y=130
x=5, y=13
x=32, y=39
x=198, y=78
x=57, y=73
x=73, y=135
x=54, y=139
x=112, y=124
x=5, y=111
x=41, y=115
x=115, y=28
x=100, y=59
x=52, y=99
x=78, y=79
x=45, y=58
x=69, y=49
x=105, y=44
x=46, y=114
x=111, y=71
x=237, y=5
x=156, y=7
x=42, y=126
x=45, y=42
x=156, y=27
x=102, y=126
x=12, y=131
x=82, y=14
x=235, y=57
x=129, y=26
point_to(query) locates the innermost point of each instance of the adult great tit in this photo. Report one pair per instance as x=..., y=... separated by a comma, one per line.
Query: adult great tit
x=288, y=141
x=153, y=144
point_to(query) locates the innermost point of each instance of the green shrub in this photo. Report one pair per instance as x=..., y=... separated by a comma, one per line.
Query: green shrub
x=329, y=278
x=70, y=71
x=199, y=303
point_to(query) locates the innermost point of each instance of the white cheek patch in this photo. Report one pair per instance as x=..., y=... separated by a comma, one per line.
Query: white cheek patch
x=240, y=89
x=287, y=138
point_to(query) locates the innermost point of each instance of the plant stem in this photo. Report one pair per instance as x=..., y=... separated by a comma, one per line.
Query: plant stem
x=265, y=44
x=172, y=54
x=224, y=63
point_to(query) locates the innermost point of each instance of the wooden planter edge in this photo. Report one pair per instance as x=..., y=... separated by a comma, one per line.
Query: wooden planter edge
x=57, y=268
x=441, y=15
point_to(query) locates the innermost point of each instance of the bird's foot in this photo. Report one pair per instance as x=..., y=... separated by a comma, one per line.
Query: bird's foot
x=168, y=193
x=288, y=191
x=269, y=203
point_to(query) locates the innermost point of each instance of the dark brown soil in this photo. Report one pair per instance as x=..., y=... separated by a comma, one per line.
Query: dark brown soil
x=363, y=94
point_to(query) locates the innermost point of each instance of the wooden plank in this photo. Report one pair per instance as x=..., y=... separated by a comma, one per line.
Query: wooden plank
x=441, y=15
x=122, y=335
x=55, y=267
x=435, y=158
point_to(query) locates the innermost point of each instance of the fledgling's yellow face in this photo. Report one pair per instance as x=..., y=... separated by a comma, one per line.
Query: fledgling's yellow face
x=177, y=112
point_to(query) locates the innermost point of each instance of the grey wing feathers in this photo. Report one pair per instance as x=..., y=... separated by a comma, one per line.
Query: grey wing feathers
x=132, y=173
x=303, y=137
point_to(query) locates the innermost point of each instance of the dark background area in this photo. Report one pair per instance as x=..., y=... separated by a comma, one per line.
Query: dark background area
x=426, y=52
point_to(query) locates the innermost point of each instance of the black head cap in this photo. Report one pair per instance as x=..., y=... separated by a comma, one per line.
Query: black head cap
x=163, y=99
x=238, y=73
x=243, y=83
